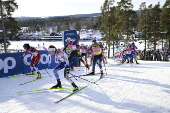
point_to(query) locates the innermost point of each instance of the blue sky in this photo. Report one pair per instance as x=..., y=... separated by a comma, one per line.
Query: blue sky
x=43, y=8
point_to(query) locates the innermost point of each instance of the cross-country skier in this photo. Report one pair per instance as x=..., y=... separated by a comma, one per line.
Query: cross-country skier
x=127, y=55
x=83, y=55
x=90, y=56
x=71, y=51
x=97, y=56
x=134, y=53
x=103, y=53
x=34, y=59
x=62, y=59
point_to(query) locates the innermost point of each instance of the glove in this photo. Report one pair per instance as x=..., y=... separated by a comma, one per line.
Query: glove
x=21, y=57
x=61, y=60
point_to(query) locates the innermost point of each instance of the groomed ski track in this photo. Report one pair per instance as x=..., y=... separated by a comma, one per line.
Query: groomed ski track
x=143, y=88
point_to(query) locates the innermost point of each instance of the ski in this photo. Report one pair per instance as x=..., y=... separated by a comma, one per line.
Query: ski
x=90, y=74
x=73, y=92
x=43, y=90
x=22, y=75
x=84, y=75
x=33, y=80
x=116, y=64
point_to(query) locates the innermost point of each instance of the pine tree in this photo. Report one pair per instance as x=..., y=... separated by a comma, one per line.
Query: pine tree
x=127, y=19
x=165, y=20
x=142, y=24
x=6, y=10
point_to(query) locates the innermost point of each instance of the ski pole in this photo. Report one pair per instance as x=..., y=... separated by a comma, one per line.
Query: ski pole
x=105, y=67
x=45, y=69
x=83, y=79
x=72, y=75
x=24, y=61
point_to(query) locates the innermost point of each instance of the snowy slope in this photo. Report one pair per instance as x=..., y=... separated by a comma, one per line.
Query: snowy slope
x=143, y=88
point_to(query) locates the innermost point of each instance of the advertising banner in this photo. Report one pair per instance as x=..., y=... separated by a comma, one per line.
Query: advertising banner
x=72, y=34
x=11, y=64
x=75, y=38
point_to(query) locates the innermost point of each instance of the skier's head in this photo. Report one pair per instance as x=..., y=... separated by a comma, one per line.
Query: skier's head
x=94, y=41
x=82, y=44
x=52, y=50
x=26, y=46
x=68, y=39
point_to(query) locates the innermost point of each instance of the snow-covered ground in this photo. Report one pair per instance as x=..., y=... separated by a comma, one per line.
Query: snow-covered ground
x=58, y=44
x=143, y=88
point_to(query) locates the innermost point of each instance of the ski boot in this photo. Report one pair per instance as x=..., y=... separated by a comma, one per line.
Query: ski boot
x=101, y=72
x=137, y=62
x=75, y=87
x=30, y=73
x=58, y=85
x=39, y=75
x=92, y=73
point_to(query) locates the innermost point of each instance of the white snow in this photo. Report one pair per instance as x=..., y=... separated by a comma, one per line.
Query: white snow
x=143, y=88
x=58, y=44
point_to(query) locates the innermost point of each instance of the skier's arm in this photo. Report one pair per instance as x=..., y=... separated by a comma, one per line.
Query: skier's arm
x=26, y=52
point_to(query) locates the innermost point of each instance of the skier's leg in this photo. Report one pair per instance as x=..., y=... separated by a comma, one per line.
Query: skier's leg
x=100, y=63
x=94, y=64
x=66, y=72
x=87, y=65
x=34, y=62
x=60, y=66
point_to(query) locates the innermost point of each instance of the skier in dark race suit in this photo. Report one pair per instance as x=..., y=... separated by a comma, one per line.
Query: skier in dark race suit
x=71, y=51
x=97, y=56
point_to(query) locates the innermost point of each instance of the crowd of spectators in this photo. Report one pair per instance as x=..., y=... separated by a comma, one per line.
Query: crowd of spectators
x=156, y=55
